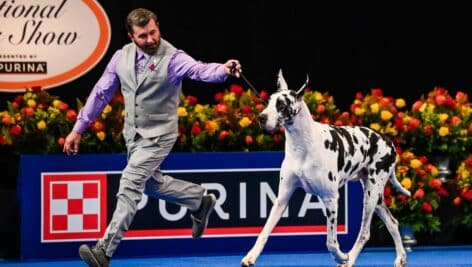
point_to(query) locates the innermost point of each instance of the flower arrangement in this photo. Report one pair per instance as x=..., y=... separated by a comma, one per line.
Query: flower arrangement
x=419, y=176
x=323, y=108
x=377, y=112
x=463, y=200
x=439, y=124
x=36, y=122
x=230, y=124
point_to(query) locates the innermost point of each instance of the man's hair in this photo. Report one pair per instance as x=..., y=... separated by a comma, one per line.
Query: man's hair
x=139, y=17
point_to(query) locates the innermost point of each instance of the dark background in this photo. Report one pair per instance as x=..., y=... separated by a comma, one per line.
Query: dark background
x=402, y=49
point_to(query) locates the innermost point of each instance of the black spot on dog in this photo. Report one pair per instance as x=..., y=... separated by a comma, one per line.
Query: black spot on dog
x=368, y=193
x=326, y=143
x=348, y=166
x=374, y=139
x=379, y=202
x=331, y=177
x=372, y=180
x=332, y=221
x=348, y=137
x=281, y=178
x=355, y=139
x=354, y=168
x=337, y=145
x=328, y=213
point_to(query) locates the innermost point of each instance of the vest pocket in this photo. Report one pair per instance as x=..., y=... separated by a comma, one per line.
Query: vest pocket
x=158, y=117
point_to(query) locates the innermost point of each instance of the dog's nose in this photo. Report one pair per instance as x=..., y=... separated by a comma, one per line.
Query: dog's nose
x=262, y=119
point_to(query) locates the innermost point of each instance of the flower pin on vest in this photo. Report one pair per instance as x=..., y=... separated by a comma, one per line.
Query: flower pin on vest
x=153, y=65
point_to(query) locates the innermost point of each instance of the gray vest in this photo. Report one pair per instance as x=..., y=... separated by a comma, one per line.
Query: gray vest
x=151, y=103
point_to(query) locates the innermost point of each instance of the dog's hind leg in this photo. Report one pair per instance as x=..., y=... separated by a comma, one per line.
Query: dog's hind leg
x=331, y=204
x=286, y=189
x=392, y=225
x=373, y=193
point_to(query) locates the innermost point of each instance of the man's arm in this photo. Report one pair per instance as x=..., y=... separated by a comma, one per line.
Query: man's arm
x=100, y=96
x=182, y=65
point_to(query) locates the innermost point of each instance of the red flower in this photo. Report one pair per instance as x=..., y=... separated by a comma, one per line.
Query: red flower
x=418, y=194
x=467, y=195
x=246, y=109
x=221, y=108
x=264, y=95
x=196, y=129
x=223, y=134
x=248, y=139
x=236, y=89
x=191, y=100
x=427, y=207
x=219, y=96
x=16, y=130
x=377, y=92
x=71, y=115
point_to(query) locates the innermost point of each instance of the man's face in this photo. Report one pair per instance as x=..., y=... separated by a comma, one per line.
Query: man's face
x=147, y=38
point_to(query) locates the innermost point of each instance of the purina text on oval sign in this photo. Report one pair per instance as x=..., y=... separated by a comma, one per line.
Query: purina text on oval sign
x=49, y=42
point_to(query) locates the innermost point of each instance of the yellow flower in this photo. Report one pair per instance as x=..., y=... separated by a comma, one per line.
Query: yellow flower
x=434, y=171
x=211, y=126
x=107, y=109
x=229, y=97
x=245, y=122
x=443, y=131
x=318, y=96
x=31, y=103
x=56, y=103
x=406, y=183
x=41, y=125
x=443, y=117
x=182, y=112
x=199, y=108
x=374, y=108
x=415, y=163
x=400, y=103
x=123, y=113
x=375, y=126
x=359, y=111
x=101, y=135
x=464, y=173
x=386, y=115
x=423, y=107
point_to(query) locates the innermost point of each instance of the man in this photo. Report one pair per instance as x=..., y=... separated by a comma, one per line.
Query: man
x=149, y=71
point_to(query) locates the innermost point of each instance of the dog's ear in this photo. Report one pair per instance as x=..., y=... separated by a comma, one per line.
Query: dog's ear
x=281, y=83
x=301, y=91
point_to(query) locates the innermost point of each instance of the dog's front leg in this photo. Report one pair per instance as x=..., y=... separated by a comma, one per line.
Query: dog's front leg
x=332, y=243
x=286, y=190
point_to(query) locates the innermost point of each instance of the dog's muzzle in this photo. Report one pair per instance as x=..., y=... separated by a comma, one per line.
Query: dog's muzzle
x=262, y=120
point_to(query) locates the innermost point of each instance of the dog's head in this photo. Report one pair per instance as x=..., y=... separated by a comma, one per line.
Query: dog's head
x=283, y=105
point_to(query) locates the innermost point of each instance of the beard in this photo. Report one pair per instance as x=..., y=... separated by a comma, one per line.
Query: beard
x=150, y=48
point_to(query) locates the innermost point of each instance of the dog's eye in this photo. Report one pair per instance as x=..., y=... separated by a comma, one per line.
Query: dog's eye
x=280, y=105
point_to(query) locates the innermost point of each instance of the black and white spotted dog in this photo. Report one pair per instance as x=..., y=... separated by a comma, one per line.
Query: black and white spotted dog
x=321, y=158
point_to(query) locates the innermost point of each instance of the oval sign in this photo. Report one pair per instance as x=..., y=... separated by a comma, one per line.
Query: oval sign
x=49, y=42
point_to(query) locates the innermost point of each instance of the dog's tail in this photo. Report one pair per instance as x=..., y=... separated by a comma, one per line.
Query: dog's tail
x=398, y=186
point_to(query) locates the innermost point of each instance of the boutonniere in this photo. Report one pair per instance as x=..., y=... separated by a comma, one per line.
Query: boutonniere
x=152, y=66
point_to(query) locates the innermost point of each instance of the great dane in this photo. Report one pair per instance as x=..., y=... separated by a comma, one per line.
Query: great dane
x=321, y=158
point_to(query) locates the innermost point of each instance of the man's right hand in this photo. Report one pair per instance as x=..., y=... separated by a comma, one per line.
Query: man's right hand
x=71, y=144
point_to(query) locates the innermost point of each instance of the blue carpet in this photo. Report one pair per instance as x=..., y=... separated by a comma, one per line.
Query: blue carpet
x=451, y=256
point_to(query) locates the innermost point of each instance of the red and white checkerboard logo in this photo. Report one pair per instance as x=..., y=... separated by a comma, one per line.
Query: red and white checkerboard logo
x=74, y=206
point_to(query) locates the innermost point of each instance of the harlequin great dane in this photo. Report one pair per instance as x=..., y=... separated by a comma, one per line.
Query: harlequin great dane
x=321, y=158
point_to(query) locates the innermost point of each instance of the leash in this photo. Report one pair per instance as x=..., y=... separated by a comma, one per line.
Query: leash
x=258, y=94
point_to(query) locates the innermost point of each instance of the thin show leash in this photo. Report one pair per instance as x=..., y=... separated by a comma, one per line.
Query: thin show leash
x=233, y=70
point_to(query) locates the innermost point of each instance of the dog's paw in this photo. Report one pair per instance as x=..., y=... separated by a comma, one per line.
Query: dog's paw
x=247, y=261
x=400, y=262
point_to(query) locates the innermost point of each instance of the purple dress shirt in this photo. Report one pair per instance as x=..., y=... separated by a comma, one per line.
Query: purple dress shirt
x=181, y=66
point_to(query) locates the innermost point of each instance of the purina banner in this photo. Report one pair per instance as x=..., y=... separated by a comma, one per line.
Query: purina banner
x=68, y=200
x=49, y=42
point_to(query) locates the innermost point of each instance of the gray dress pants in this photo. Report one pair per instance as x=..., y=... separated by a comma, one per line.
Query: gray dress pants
x=142, y=174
